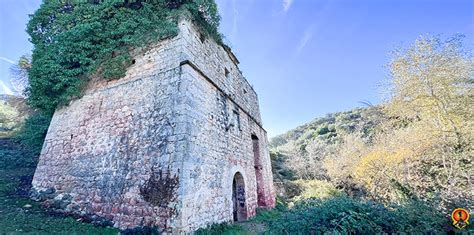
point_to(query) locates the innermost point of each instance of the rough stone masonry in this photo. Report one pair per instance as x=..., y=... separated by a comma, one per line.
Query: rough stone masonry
x=177, y=143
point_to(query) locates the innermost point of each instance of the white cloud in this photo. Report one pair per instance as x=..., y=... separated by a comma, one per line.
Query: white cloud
x=311, y=32
x=5, y=89
x=308, y=34
x=7, y=60
x=287, y=4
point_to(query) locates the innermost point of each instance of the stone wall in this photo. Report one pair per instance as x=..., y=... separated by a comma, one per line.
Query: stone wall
x=160, y=146
x=221, y=147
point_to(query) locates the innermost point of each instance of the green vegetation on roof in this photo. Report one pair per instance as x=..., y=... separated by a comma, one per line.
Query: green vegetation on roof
x=74, y=40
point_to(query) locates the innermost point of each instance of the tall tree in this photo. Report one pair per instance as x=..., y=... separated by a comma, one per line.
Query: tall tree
x=432, y=93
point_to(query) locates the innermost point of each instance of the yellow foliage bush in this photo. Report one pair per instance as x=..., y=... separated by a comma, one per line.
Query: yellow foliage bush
x=375, y=170
x=320, y=189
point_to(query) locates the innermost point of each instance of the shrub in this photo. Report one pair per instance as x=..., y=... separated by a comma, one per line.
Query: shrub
x=322, y=130
x=344, y=215
x=316, y=189
x=266, y=215
x=223, y=228
x=76, y=40
x=141, y=231
x=418, y=217
x=34, y=131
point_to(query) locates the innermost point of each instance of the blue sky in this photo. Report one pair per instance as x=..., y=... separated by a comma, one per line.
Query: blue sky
x=305, y=58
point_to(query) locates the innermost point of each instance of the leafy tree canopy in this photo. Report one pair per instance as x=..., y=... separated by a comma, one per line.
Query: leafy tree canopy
x=74, y=39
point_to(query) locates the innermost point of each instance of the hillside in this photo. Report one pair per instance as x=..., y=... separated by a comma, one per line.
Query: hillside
x=374, y=155
x=13, y=111
x=306, y=145
x=330, y=128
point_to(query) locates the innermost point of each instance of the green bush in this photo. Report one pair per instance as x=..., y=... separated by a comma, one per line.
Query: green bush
x=322, y=130
x=344, y=215
x=266, y=215
x=14, y=155
x=34, y=131
x=141, y=231
x=280, y=169
x=223, y=228
x=315, y=189
x=417, y=216
x=76, y=40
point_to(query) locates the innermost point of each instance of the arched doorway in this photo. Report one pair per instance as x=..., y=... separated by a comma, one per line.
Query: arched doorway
x=238, y=198
x=258, y=172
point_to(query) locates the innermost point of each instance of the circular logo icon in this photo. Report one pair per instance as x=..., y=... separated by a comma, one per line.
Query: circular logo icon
x=460, y=218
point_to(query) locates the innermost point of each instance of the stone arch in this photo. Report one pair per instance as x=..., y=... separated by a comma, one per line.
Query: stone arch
x=238, y=198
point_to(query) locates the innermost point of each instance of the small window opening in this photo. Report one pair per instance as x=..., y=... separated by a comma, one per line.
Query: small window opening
x=245, y=91
x=202, y=38
x=227, y=73
x=237, y=120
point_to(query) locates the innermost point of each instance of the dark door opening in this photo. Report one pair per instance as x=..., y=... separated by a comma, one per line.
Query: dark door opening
x=258, y=172
x=238, y=198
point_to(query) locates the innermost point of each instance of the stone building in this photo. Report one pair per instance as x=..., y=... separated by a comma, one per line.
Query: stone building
x=177, y=143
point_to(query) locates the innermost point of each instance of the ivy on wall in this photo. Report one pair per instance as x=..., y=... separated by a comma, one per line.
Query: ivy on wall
x=74, y=40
